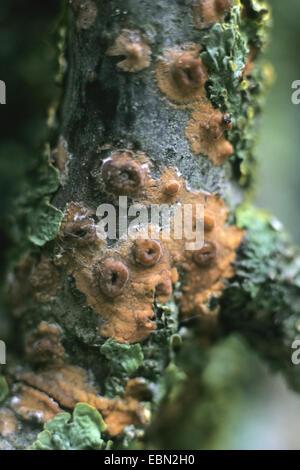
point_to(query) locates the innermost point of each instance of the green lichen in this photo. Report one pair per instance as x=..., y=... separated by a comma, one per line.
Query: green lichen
x=225, y=55
x=262, y=300
x=158, y=349
x=149, y=359
x=213, y=381
x=125, y=357
x=257, y=22
x=263, y=249
x=36, y=221
x=170, y=384
x=82, y=433
x=244, y=134
x=44, y=223
x=3, y=388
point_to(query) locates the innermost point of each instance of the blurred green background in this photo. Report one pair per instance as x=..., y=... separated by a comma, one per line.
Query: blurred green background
x=265, y=415
x=278, y=188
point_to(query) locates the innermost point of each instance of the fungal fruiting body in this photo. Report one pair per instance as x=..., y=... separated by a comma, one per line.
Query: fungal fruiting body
x=122, y=174
x=188, y=71
x=134, y=47
x=147, y=252
x=113, y=277
x=206, y=255
x=182, y=77
x=121, y=282
x=172, y=187
x=207, y=12
x=217, y=124
x=49, y=389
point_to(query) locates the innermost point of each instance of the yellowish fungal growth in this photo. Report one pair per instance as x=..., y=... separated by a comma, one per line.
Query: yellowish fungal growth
x=207, y=12
x=181, y=75
x=33, y=404
x=205, y=132
x=121, y=282
x=69, y=385
x=135, y=48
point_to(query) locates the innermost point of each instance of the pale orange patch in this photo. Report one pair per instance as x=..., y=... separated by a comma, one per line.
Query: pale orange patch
x=195, y=100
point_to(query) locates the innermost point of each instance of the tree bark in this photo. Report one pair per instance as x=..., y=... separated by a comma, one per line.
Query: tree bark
x=160, y=104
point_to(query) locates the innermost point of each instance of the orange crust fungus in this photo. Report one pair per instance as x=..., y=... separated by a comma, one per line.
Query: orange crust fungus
x=30, y=403
x=207, y=12
x=101, y=274
x=181, y=75
x=122, y=282
x=67, y=386
x=147, y=252
x=43, y=345
x=188, y=72
x=134, y=47
x=205, y=132
x=113, y=276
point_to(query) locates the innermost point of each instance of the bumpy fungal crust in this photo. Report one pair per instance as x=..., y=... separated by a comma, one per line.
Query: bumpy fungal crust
x=204, y=281
x=78, y=232
x=147, y=252
x=127, y=315
x=134, y=47
x=69, y=385
x=86, y=12
x=32, y=404
x=172, y=187
x=207, y=137
x=113, y=276
x=207, y=12
x=122, y=174
x=43, y=345
x=200, y=284
x=8, y=422
x=181, y=74
x=206, y=255
x=164, y=288
x=188, y=71
x=182, y=77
